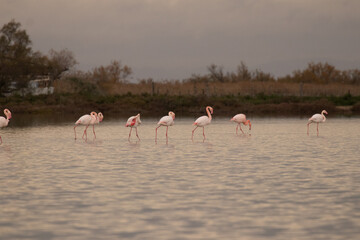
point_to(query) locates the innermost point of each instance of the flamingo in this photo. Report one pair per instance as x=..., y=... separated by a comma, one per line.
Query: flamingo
x=5, y=121
x=99, y=119
x=203, y=121
x=133, y=122
x=86, y=120
x=165, y=121
x=317, y=118
x=241, y=118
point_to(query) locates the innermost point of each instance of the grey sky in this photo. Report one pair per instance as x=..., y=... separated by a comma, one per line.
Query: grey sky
x=173, y=39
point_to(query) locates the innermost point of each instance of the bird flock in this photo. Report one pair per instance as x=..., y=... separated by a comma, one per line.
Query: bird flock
x=166, y=121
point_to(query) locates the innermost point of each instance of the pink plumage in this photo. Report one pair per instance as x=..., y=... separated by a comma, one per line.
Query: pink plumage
x=165, y=121
x=317, y=118
x=5, y=121
x=241, y=119
x=133, y=122
x=87, y=120
x=203, y=121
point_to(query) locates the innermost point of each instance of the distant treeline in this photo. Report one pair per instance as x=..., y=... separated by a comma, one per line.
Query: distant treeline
x=19, y=64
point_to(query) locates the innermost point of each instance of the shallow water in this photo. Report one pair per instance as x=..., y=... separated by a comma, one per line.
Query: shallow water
x=277, y=183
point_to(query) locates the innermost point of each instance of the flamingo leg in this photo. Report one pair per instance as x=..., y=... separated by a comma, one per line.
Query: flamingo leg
x=94, y=131
x=156, y=132
x=130, y=133
x=204, y=132
x=317, y=128
x=192, y=136
x=308, y=128
x=0, y=140
x=167, y=127
x=137, y=134
x=85, y=132
x=241, y=128
x=75, y=131
x=237, y=126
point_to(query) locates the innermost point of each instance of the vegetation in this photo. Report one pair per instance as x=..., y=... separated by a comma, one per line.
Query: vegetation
x=107, y=88
x=19, y=63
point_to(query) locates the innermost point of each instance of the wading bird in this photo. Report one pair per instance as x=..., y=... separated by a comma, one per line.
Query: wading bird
x=5, y=121
x=241, y=119
x=165, y=121
x=317, y=118
x=86, y=120
x=99, y=119
x=133, y=122
x=203, y=121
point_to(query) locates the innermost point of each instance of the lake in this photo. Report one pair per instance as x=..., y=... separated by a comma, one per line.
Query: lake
x=277, y=183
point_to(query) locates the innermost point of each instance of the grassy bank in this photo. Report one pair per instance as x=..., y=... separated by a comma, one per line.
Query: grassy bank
x=183, y=105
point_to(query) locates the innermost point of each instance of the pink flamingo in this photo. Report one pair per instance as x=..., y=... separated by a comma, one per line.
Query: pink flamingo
x=241, y=118
x=86, y=120
x=5, y=121
x=99, y=119
x=317, y=118
x=133, y=122
x=203, y=121
x=165, y=121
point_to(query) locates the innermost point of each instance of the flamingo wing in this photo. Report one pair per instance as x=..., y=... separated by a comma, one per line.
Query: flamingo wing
x=239, y=118
x=3, y=122
x=131, y=121
x=166, y=121
x=202, y=121
x=316, y=118
x=84, y=120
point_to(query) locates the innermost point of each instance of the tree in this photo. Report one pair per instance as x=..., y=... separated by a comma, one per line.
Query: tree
x=114, y=72
x=243, y=73
x=216, y=73
x=318, y=73
x=60, y=62
x=15, y=55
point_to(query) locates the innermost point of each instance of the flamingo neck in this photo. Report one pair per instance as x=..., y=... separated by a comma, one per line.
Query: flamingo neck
x=208, y=112
x=324, y=118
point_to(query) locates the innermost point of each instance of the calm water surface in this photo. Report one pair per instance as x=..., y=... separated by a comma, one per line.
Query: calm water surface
x=277, y=183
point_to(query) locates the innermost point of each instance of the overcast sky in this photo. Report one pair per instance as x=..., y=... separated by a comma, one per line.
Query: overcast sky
x=173, y=39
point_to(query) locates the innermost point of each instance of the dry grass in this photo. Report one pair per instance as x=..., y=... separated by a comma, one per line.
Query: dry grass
x=242, y=88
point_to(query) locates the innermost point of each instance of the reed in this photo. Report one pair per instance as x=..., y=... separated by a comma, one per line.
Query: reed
x=228, y=88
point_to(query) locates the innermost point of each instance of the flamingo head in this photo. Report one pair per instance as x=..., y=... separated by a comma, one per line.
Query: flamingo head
x=101, y=116
x=324, y=111
x=211, y=109
x=7, y=113
x=93, y=114
x=171, y=114
x=248, y=122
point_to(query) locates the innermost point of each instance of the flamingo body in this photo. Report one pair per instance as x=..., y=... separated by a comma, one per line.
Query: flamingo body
x=241, y=119
x=317, y=118
x=133, y=122
x=203, y=121
x=166, y=121
x=5, y=121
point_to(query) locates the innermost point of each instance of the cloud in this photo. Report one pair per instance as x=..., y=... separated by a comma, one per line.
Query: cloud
x=167, y=39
